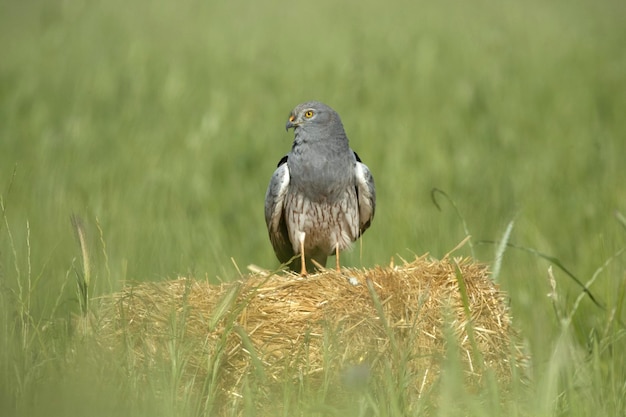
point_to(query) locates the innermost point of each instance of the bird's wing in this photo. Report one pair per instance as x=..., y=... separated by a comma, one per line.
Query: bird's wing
x=274, y=216
x=366, y=194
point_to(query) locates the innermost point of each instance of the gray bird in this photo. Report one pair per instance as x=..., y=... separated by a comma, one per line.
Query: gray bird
x=321, y=197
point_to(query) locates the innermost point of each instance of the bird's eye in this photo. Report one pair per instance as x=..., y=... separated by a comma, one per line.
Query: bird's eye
x=308, y=114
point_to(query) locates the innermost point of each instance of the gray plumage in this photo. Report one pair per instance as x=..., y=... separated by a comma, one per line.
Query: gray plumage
x=321, y=197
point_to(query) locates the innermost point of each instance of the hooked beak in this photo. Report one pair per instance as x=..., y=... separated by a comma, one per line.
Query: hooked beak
x=291, y=122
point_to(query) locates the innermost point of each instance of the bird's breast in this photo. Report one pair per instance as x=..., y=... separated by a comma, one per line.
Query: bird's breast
x=321, y=179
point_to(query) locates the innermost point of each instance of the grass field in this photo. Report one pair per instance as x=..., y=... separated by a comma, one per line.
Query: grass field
x=159, y=124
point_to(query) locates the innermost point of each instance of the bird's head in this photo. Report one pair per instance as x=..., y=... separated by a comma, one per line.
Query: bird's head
x=313, y=114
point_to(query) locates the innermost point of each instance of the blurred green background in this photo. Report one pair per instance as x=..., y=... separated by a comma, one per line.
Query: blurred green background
x=163, y=121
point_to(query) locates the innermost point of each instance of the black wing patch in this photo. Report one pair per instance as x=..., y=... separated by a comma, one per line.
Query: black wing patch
x=283, y=160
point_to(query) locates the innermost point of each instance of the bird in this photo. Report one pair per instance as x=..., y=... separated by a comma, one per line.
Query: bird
x=321, y=198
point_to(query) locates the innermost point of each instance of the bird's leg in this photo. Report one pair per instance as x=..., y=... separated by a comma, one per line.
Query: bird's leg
x=302, y=260
x=337, y=257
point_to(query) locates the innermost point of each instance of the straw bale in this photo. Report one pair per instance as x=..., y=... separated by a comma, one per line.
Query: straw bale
x=278, y=326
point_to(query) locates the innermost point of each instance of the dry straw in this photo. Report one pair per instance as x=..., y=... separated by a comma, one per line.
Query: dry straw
x=278, y=326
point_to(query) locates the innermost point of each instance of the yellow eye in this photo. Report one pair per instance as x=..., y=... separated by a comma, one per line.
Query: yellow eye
x=308, y=114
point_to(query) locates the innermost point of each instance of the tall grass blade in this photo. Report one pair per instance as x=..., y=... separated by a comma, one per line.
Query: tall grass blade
x=224, y=306
x=500, y=249
x=7, y=192
x=84, y=278
x=105, y=254
x=469, y=328
x=378, y=305
x=433, y=196
x=621, y=219
x=591, y=281
x=556, y=262
x=249, y=347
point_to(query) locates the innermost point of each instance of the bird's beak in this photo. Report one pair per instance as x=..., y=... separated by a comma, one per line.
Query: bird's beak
x=291, y=122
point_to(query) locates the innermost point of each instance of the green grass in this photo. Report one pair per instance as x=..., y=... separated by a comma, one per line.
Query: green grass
x=158, y=124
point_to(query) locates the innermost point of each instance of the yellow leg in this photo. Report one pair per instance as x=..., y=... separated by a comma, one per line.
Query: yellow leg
x=302, y=260
x=337, y=257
